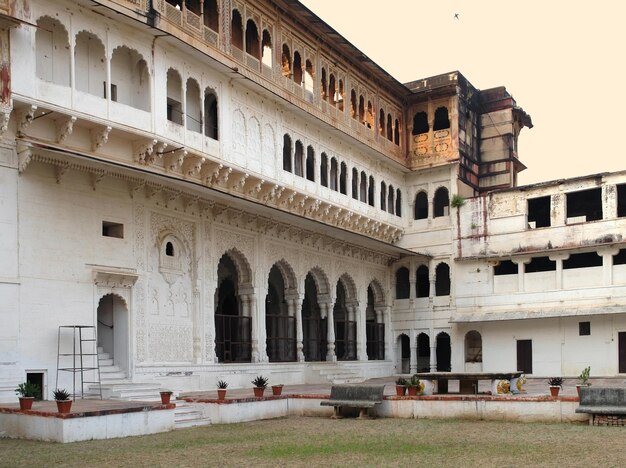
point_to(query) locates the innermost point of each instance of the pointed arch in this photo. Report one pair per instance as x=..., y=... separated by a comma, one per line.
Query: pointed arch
x=52, y=48
x=242, y=266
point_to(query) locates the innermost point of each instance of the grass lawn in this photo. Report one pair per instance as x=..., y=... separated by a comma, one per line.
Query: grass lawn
x=325, y=442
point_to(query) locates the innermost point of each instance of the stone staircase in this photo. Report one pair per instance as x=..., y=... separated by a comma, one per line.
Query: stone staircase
x=189, y=415
x=115, y=384
x=337, y=373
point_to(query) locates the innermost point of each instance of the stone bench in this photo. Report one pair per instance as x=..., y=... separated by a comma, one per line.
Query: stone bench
x=363, y=397
x=604, y=402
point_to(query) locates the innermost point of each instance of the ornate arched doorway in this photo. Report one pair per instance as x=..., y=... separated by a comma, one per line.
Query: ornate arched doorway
x=423, y=353
x=314, y=339
x=443, y=352
x=113, y=330
x=232, y=327
x=279, y=323
x=345, y=325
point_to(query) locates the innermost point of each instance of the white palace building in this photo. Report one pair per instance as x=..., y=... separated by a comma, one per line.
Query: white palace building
x=220, y=189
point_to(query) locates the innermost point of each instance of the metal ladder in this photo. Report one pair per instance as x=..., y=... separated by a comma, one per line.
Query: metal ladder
x=83, y=358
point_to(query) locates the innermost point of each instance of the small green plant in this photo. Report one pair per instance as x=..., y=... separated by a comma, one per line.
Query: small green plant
x=414, y=381
x=27, y=389
x=260, y=382
x=222, y=384
x=401, y=382
x=555, y=382
x=60, y=394
x=457, y=201
x=583, y=378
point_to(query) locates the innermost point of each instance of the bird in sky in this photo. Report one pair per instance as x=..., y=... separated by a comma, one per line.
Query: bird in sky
x=456, y=16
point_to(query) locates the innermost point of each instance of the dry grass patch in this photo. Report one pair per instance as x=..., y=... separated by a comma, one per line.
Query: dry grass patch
x=321, y=441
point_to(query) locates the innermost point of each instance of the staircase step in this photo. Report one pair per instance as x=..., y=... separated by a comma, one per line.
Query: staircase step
x=102, y=355
x=188, y=415
x=105, y=362
x=107, y=369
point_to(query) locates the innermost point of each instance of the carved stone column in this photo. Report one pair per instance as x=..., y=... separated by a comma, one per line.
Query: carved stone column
x=413, y=360
x=295, y=309
x=197, y=326
x=255, y=329
x=330, y=331
x=361, y=338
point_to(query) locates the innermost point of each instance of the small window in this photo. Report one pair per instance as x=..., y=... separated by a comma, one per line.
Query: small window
x=36, y=378
x=505, y=267
x=584, y=328
x=169, y=249
x=111, y=229
x=402, y=283
x=585, y=205
x=539, y=264
x=539, y=212
x=441, y=119
x=582, y=260
x=621, y=200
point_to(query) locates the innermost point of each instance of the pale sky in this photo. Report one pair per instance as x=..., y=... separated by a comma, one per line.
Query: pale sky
x=562, y=61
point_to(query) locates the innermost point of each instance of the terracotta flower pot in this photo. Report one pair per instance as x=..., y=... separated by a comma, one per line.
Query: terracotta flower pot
x=165, y=398
x=578, y=389
x=221, y=393
x=258, y=391
x=554, y=391
x=26, y=403
x=277, y=389
x=64, y=406
x=413, y=391
x=400, y=390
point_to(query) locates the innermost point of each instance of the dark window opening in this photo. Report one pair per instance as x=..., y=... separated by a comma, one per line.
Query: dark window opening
x=538, y=264
x=441, y=119
x=297, y=68
x=310, y=163
x=389, y=128
x=505, y=267
x=363, y=188
x=390, y=200
x=398, y=203
x=421, y=206
x=287, y=153
x=582, y=260
x=343, y=176
x=236, y=30
x=587, y=203
x=370, y=192
x=297, y=159
x=381, y=122
x=396, y=132
x=420, y=123
x=324, y=86
x=211, y=15
x=539, y=212
x=210, y=114
x=620, y=257
x=286, y=61
x=422, y=282
x=402, y=283
x=353, y=113
x=361, y=110
x=333, y=174
x=169, y=249
x=355, y=183
x=110, y=229
x=442, y=280
x=37, y=379
x=621, y=200
x=584, y=328
x=324, y=170
x=174, y=111
x=383, y=196
x=252, y=40
x=442, y=203
x=193, y=6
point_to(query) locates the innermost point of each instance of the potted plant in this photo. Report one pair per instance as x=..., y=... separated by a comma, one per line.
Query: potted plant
x=62, y=397
x=414, y=385
x=221, y=389
x=277, y=389
x=556, y=384
x=27, y=392
x=260, y=383
x=165, y=396
x=583, y=379
x=400, y=386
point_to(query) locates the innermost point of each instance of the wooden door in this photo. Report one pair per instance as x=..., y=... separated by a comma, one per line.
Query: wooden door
x=525, y=356
x=622, y=352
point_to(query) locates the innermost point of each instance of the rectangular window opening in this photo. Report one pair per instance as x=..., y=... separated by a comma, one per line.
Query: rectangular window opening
x=584, y=328
x=620, y=257
x=111, y=229
x=539, y=212
x=505, y=267
x=174, y=111
x=539, y=264
x=582, y=260
x=621, y=200
x=585, y=205
x=38, y=379
x=113, y=92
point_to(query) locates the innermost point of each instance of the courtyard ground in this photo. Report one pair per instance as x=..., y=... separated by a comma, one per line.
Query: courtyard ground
x=316, y=441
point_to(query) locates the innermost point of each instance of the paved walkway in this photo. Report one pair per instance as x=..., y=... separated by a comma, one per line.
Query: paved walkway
x=534, y=386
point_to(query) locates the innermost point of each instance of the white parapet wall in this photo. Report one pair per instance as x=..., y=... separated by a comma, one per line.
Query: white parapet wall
x=110, y=426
